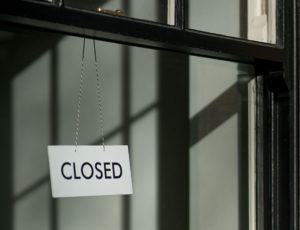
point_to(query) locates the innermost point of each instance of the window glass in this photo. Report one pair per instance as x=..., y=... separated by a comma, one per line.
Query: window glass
x=151, y=10
x=218, y=144
x=43, y=79
x=41, y=74
x=249, y=19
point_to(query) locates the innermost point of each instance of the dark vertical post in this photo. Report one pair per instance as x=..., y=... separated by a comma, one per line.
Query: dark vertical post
x=243, y=19
x=243, y=130
x=181, y=13
x=293, y=60
x=162, y=11
x=280, y=162
x=291, y=40
x=263, y=205
x=53, y=125
x=280, y=22
x=278, y=150
x=173, y=139
x=126, y=116
x=126, y=61
x=6, y=168
x=272, y=152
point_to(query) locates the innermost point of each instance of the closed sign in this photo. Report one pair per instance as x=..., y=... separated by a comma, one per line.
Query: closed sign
x=90, y=171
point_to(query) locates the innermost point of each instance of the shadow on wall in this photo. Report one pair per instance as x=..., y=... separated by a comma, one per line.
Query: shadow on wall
x=40, y=106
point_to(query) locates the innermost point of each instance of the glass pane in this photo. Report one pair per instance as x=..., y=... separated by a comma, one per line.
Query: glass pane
x=39, y=92
x=41, y=89
x=151, y=10
x=218, y=144
x=249, y=19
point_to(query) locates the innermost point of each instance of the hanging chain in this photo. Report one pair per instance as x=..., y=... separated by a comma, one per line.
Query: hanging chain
x=80, y=95
x=99, y=97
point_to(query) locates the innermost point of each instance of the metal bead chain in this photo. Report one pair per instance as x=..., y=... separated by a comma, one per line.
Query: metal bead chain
x=100, y=104
x=78, y=105
x=80, y=95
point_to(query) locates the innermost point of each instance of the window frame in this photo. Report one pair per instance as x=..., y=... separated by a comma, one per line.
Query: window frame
x=269, y=60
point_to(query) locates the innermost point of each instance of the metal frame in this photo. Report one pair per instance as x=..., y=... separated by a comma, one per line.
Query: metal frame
x=139, y=33
x=277, y=94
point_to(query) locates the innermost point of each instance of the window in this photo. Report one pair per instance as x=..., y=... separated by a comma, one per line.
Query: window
x=198, y=94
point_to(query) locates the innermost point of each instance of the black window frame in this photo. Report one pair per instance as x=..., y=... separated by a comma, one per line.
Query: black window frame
x=277, y=95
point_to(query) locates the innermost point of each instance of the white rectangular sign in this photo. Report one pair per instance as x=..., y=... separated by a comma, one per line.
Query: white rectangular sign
x=90, y=171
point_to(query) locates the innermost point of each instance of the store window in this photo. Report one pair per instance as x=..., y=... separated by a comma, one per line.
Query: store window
x=209, y=113
x=43, y=99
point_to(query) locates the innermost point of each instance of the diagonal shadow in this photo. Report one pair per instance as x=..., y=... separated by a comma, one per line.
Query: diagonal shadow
x=31, y=188
x=131, y=120
x=23, y=49
x=108, y=136
x=214, y=114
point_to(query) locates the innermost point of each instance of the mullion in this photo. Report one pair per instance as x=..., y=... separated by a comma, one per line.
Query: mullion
x=180, y=14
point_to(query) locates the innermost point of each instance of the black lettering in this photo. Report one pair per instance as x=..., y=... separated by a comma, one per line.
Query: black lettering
x=62, y=171
x=106, y=170
x=74, y=169
x=113, y=169
x=82, y=170
x=99, y=170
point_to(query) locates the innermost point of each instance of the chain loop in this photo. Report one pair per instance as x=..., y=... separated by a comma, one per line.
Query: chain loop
x=79, y=99
x=80, y=96
x=99, y=97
